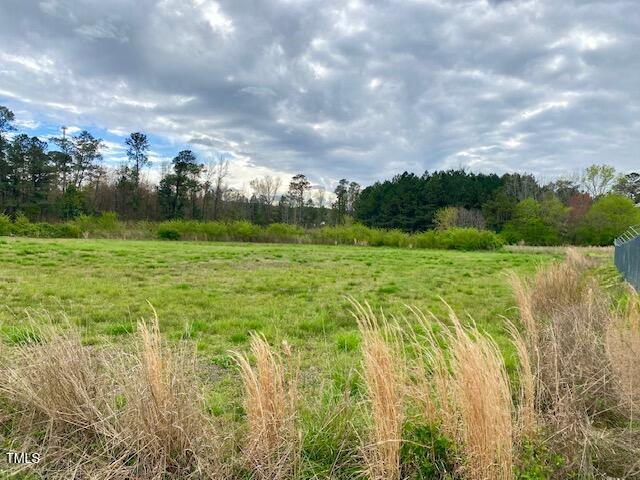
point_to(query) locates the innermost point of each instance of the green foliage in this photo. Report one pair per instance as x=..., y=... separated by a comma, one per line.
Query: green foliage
x=536, y=462
x=106, y=223
x=243, y=231
x=283, y=232
x=168, y=231
x=608, y=217
x=536, y=223
x=5, y=225
x=409, y=202
x=498, y=210
x=426, y=453
x=445, y=218
x=459, y=239
x=69, y=205
x=348, y=342
x=395, y=238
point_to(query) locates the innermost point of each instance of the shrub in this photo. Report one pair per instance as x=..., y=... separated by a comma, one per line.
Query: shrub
x=5, y=225
x=168, y=231
x=425, y=452
x=459, y=239
x=395, y=238
x=428, y=239
x=470, y=239
x=282, y=232
x=536, y=223
x=68, y=230
x=607, y=218
x=215, y=230
x=243, y=231
x=22, y=226
x=107, y=222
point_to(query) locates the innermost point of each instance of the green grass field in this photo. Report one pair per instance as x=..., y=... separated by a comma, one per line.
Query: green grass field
x=215, y=294
x=210, y=296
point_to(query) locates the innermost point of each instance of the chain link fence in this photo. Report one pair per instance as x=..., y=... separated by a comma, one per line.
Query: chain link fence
x=627, y=255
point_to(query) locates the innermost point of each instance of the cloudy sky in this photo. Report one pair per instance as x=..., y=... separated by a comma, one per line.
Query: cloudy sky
x=335, y=88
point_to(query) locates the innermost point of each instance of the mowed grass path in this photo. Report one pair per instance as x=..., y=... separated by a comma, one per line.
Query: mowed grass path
x=216, y=293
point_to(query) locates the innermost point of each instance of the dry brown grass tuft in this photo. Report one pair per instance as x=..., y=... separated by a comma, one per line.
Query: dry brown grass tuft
x=527, y=422
x=104, y=413
x=384, y=377
x=584, y=360
x=273, y=444
x=473, y=395
x=482, y=398
x=623, y=350
x=555, y=287
x=165, y=421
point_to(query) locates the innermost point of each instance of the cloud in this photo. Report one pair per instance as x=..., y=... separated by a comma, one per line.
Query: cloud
x=335, y=89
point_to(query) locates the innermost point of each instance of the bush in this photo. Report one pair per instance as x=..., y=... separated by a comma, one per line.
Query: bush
x=426, y=453
x=459, y=239
x=5, y=225
x=243, y=231
x=282, y=232
x=68, y=230
x=536, y=223
x=107, y=222
x=470, y=239
x=22, y=226
x=168, y=231
x=395, y=238
x=607, y=218
x=215, y=230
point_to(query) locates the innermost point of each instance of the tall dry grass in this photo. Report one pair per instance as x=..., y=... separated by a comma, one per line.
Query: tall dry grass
x=106, y=413
x=623, y=350
x=468, y=383
x=527, y=426
x=383, y=366
x=273, y=445
x=582, y=354
x=482, y=400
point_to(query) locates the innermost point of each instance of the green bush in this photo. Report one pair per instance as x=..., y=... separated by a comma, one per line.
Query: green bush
x=428, y=239
x=6, y=227
x=215, y=230
x=22, y=226
x=426, y=453
x=68, y=230
x=168, y=231
x=607, y=218
x=243, y=231
x=395, y=238
x=282, y=232
x=459, y=239
x=470, y=239
x=107, y=222
x=536, y=223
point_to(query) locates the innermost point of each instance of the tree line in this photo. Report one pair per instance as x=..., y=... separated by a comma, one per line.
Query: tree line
x=64, y=177
x=590, y=208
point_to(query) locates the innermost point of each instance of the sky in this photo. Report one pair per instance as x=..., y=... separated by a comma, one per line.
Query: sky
x=334, y=88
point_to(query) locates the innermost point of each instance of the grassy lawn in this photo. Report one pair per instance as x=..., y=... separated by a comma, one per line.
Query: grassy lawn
x=210, y=296
x=216, y=293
